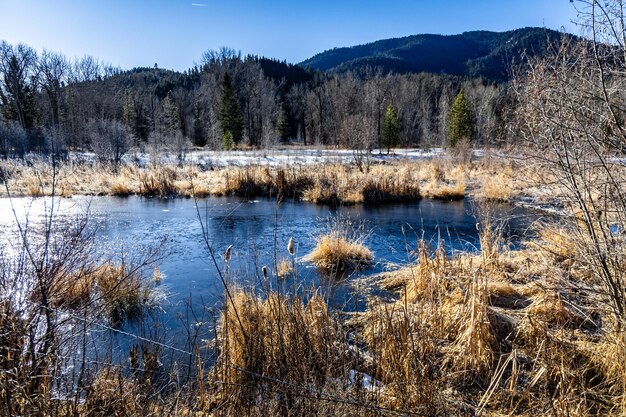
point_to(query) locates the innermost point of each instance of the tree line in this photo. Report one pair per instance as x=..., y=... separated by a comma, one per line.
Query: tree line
x=50, y=103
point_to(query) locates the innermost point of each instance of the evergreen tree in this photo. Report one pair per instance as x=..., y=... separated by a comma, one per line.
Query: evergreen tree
x=461, y=126
x=230, y=115
x=282, y=123
x=227, y=141
x=18, y=97
x=171, y=115
x=198, y=137
x=391, y=129
x=129, y=114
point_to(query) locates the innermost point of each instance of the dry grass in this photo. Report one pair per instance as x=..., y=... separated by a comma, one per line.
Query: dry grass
x=513, y=332
x=496, y=332
x=121, y=291
x=120, y=188
x=495, y=188
x=494, y=178
x=280, y=338
x=497, y=179
x=340, y=249
x=338, y=253
x=284, y=268
x=323, y=184
x=444, y=191
x=113, y=394
x=446, y=182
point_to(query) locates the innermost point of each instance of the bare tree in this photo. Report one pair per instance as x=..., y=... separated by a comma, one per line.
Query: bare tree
x=359, y=134
x=13, y=139
x=110, y=140
x=86, y=68
x=53, y=71
x=572, y=114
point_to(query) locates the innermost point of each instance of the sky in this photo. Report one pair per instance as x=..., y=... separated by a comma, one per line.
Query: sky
x=175, y=33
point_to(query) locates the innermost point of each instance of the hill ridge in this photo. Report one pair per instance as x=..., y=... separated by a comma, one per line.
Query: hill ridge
x=479, y=53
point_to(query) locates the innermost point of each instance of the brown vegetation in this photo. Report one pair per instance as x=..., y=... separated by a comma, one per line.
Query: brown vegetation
x=341, y=249
x=323, y=184
x=491, y=178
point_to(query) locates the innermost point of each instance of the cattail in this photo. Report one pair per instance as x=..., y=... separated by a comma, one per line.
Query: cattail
x=227, y=253
x=290, y=247
x=133, y=357
x=264, y=269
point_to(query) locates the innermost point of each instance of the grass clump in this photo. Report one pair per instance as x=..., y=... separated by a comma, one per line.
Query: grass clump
x=444, y=190
x=159, y=182
x=498, y=188
x=276, y=338
x=122, y=290
x=341, y=249
x=120, y=188
x=284, y=268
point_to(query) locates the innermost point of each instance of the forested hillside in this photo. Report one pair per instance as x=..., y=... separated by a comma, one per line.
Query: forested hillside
x=472, y=54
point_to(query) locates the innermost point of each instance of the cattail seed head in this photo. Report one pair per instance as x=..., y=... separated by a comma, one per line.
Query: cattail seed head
x=264, y=269
x=290, y=247
x=227, y=253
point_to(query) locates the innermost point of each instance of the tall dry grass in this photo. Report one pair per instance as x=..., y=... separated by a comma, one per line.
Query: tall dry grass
x=280, y=337
x=323, y=184
x=494, y=177
x=341, y=248
x=511, y=332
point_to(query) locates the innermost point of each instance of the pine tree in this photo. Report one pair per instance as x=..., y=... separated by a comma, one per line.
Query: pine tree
x=461, y=126
x=228, y=142
x=391, y=129
x=171, y=115
x=230, y=115
x=18, y=100
x=129, y=114
x=282, y=123
x=198, y=128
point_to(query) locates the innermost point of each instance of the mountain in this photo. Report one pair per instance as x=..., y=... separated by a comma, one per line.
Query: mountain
x=474, y=54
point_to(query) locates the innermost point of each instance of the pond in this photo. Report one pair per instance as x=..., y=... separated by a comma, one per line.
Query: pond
x=259, y=231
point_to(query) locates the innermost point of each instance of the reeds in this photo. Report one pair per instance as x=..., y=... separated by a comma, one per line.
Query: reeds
x=326, y=183
x=340, y=249
x=284, y=268
x=276, y=338
x=489, y=332
x=493, y=179
x=496, y=327
x=120, y=290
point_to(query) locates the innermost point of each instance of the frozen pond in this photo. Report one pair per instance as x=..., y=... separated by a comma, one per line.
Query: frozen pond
x=259, y=231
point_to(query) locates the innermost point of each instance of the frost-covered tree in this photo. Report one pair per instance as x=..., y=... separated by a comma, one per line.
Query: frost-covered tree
x=13, y=139
x=110, y=140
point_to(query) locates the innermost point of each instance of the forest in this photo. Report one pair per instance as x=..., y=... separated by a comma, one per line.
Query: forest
x=51, y=103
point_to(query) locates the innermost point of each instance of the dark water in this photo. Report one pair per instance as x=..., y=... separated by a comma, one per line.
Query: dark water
x=256, y=229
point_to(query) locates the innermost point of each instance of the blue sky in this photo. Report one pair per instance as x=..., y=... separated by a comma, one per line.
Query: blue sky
x=174, y=33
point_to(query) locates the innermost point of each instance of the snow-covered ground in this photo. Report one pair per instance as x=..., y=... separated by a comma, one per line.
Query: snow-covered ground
x=268, y=157
x=276, y=157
